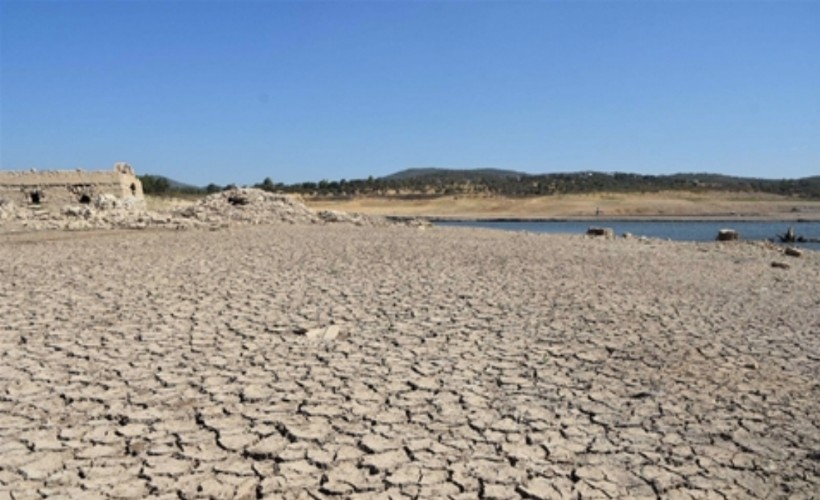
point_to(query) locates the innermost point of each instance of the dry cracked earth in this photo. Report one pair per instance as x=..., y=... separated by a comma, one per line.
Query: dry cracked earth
x=313, y=362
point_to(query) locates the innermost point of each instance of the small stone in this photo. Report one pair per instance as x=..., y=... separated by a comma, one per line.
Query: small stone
x=331, y=332
x=793, y=252
x=780, y=265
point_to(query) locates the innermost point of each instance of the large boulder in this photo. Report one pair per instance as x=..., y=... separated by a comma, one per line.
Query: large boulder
x=728, y=235
x=605, y=232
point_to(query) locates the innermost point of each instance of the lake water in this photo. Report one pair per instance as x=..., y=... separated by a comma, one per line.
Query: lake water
x=673, y=230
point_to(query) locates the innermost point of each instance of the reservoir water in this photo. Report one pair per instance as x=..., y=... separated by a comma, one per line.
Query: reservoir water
x=673, y=230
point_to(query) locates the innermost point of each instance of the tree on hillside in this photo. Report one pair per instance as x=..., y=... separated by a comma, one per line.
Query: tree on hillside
x=154, y=184
x=266, y=185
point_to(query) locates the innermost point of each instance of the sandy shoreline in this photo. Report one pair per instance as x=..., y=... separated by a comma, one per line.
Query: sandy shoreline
x=632, y=218
x=667, y=206
x=467, y=363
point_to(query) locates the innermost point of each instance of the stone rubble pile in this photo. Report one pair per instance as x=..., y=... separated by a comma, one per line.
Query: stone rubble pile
x=249, y=206
x=243, y=206
x=255, y=206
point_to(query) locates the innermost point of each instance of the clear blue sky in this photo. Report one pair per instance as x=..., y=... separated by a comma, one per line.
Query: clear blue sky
x=237, y=91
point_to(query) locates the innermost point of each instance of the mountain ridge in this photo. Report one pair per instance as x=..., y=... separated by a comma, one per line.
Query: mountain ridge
x=414, y=173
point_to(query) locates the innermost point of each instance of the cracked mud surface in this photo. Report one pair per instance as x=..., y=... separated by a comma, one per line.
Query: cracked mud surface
x=465, y=364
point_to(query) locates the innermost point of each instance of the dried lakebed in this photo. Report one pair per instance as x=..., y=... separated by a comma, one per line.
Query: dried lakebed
x=304, y=361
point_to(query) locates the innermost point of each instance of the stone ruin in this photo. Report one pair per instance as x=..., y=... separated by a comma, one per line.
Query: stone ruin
x=80, y=200
x=237, y=206
x=56, y=188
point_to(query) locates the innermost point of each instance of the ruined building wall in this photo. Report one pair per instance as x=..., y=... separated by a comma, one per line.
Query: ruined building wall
x=67, y=187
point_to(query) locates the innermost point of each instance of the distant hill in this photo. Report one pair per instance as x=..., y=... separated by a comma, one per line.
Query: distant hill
x=467, y=174
x=431, y=182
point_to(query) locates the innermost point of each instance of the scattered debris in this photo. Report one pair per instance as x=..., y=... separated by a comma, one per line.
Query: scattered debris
x=780, y=265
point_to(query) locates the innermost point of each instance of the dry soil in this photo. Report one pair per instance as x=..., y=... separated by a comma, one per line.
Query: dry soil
x=290, y=361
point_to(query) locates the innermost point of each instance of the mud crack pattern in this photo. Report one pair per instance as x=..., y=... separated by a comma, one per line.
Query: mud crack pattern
x=466, y=364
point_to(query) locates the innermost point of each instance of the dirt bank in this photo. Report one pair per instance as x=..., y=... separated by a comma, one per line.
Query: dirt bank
x=672, y=205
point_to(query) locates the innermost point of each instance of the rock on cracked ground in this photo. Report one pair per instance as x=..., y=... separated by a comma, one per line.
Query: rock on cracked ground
x=466, y=364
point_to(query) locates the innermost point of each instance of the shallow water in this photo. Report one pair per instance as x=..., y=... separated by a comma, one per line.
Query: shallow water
x=673, y=230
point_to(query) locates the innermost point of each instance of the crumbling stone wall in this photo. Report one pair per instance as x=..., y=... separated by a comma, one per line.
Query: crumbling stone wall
x=64, y=187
